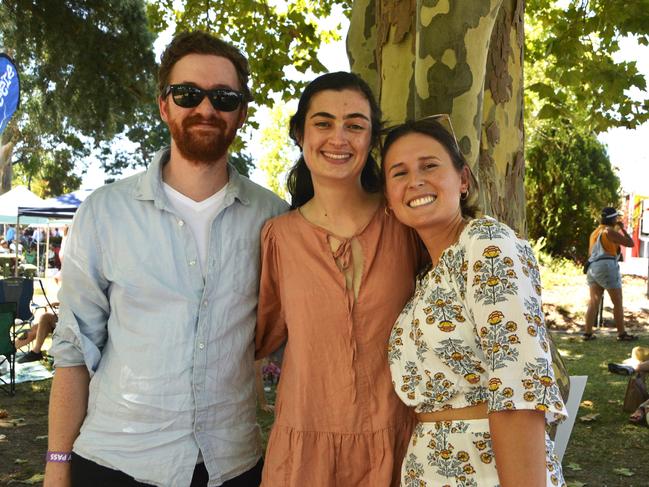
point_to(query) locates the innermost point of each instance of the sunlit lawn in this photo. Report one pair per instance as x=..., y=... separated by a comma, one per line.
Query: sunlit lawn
x=608, y=451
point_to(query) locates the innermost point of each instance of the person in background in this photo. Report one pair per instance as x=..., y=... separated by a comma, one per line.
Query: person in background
x=10, y=234
x=470, y=352
x=38, y=333
x=336, y=270
x=604, y=271
x=154, y=349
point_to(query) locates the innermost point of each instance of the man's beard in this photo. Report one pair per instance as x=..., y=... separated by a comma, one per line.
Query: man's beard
x=202, y=147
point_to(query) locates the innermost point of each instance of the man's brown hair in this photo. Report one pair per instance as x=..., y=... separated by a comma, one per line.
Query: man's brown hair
x=199, y=42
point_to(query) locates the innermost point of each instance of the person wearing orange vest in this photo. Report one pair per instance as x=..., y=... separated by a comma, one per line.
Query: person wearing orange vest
x=604, y=271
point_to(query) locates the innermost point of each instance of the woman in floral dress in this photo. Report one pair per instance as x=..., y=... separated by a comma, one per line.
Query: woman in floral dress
x=470, y=351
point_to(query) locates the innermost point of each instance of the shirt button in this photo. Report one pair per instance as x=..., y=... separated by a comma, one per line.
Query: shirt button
x=198, y=428
x=181, y=223
x=201, y=346
x=192, y=262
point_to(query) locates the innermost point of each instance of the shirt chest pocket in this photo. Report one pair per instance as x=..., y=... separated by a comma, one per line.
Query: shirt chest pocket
x=240, y=265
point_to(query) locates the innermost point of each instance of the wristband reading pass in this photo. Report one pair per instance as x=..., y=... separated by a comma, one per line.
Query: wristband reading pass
x=58, y=456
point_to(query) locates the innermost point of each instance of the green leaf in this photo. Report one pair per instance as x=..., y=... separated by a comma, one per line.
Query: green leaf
x=625, y=472
x=548, y=111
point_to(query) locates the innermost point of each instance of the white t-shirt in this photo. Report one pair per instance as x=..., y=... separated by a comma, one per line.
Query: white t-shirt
x=199, y=215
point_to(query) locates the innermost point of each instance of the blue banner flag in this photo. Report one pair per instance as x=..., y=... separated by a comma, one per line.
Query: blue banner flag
x=9, y=90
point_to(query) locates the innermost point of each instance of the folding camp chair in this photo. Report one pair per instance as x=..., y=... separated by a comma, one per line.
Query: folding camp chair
x=19, y=290
x=7, y=348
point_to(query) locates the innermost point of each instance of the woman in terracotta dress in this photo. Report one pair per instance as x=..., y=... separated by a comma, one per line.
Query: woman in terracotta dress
x=470, y=352
x=336, y=272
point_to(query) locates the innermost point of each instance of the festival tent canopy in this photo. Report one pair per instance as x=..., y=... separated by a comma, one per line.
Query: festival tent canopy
x=58, y=208
x=15, y=198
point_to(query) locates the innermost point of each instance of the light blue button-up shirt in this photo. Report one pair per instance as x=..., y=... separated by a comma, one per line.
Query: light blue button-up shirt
x=170, y=354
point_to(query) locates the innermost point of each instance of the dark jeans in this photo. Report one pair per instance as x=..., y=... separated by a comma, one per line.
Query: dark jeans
x=86, y=472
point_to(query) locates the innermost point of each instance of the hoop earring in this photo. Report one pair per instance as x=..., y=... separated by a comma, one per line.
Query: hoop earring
x=387, y=210
x=464, y=195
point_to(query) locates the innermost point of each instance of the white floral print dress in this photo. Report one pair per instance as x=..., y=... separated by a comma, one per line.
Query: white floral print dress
x=473, y=332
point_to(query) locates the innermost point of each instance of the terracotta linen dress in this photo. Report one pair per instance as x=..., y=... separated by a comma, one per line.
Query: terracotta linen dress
x=338, y=421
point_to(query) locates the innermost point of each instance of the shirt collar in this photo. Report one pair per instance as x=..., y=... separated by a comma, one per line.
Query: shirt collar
x=150, y=187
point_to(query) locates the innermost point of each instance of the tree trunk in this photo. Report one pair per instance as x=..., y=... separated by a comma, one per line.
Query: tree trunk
x=6, y=150
x=461, y=57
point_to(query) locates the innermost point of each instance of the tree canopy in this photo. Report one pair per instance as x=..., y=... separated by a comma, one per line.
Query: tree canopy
x=87, y=73
x=88, y=66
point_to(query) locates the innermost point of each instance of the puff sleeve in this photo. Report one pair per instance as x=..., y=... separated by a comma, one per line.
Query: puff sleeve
x=503, y=293
x=271, y=332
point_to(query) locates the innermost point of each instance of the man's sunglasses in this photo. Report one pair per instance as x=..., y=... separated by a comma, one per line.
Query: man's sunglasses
x=189, y=96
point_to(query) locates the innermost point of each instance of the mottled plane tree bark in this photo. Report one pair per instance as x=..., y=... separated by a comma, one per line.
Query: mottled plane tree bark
x=461, y=57
x=464, y=58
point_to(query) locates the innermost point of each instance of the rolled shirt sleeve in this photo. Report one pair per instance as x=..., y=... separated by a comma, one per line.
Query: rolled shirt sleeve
x=81, y=330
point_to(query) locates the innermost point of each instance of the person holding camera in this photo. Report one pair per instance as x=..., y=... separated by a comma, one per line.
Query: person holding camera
x=604, y=271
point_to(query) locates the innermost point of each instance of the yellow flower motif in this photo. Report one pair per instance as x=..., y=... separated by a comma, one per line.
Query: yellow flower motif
x=430, y=319
x=529, y=396
x=511, y=326
x=457, y=356
x=558, y=405
x=541, y=407
x=483, y=332
x=513, y=339
x=480, y=444
x=508, y=261
x=494, y=384
x=485, y=457
x=472, y=378
x=468, y=469
x=493, y=281
x=462, y=456
x=477, y=265
x=511, y=273
x=491, y=252
x=446, y=326
x=509, y=405
x=508, y=392
x=445, y=454
x=411, y=396
x=546, y=380
x=495, y=317
x=531, y=330
x=438, y=376
x=440, y=303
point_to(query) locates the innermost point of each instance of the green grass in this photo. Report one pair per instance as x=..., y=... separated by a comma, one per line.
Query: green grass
x=609, y=442
x=596, y=449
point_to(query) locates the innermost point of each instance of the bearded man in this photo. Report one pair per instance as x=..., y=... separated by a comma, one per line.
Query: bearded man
x=154, y=380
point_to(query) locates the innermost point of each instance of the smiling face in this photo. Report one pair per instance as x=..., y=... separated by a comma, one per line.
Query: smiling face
x=336, y=136
x=423, y=187
x=202, y=134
